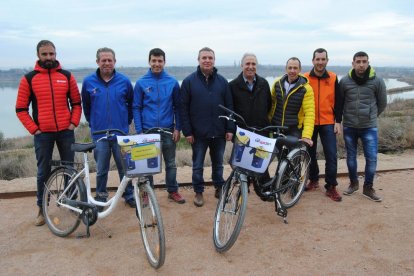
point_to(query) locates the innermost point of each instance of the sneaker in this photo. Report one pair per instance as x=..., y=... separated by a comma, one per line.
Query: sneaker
x=369, y=192
x=176, y=197
x=353, y=187
x=333, y=194
x=217, y=193
x=199, y=200
x=131, y=202
x=312, y=185
x=40, y=219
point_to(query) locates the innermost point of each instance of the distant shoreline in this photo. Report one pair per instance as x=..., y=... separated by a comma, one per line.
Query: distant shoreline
x=11, y=77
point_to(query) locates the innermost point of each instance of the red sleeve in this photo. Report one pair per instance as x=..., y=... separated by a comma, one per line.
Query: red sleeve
x=75, y=102
x=22, y=106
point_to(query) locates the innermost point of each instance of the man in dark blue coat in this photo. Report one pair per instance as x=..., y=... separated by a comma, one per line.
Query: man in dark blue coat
x=201, y=93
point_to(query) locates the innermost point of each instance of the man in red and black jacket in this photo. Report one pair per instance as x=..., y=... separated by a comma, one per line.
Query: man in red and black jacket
x=56, y=111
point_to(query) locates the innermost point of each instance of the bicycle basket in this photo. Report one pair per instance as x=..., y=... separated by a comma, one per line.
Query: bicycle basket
x=252, y=151
x=141, y=154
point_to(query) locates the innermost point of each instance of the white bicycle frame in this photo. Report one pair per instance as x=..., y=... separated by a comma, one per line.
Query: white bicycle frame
x=112, y=202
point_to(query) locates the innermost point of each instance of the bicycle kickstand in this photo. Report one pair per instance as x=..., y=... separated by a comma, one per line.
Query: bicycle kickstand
x=103, y=229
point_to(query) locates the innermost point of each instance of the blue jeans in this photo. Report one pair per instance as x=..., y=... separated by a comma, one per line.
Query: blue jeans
x=328, y=141
x=102, y=155
x=369, y=139
x=44, y=144
x=168, y=151
x=216, y=146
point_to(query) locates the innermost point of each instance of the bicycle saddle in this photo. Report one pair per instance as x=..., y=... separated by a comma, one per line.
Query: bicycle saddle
x=77, y=147
x=288, y=141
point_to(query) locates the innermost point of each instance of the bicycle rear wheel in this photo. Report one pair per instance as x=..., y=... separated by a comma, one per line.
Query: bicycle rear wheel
x=230, y=213
x=152, y=229
x=292, y=177
x=61, y=220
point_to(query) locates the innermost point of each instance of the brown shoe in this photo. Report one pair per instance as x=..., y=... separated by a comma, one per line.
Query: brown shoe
x=312, y=185
x=199, y=200
x=369, y=192
x=40, y=219
x=353, y=187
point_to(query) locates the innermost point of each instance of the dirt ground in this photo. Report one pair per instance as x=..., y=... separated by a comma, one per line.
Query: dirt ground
x=352, y=237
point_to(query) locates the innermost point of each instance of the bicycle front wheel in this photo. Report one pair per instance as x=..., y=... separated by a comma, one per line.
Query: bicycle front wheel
x=152, y=229
x=230, y=213
x=61, y=220
x=292, y=177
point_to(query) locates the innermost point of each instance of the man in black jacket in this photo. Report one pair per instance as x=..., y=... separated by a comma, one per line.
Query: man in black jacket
x=251, y=97
x=251, y=94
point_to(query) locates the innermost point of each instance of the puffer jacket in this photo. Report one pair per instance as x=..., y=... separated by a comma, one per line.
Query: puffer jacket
x=295, y=109
x=361, y=104
x=56, y=103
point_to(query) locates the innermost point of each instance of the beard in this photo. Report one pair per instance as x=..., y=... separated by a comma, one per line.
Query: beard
x=48, y=64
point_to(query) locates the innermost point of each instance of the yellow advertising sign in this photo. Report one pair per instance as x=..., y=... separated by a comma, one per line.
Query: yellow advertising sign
x=261, y=152
x=242, y=138
x=144, y=151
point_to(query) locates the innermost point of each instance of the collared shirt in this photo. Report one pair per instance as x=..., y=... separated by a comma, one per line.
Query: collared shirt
x=249, y=85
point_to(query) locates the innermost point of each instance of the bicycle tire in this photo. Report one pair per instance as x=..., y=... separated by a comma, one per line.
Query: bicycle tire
x=230, y=213
x=293, y=176
x=150, y=221
x=62, y=221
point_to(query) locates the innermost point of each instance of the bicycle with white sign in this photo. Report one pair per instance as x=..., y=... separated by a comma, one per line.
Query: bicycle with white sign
x=68, y=200
x=251, y=156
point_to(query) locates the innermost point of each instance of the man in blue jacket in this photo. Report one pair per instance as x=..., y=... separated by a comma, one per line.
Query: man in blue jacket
x=107, y=98
x=201, y=93
x=156, y=104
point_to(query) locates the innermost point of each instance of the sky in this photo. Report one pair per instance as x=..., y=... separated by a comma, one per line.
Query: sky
x=273, y=30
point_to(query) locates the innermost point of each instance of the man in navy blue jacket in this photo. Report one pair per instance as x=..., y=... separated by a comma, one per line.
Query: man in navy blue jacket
x=201, y=93
x=156, y=104
x=107, y=103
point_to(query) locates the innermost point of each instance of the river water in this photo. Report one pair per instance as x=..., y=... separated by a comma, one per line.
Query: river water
x=11, y=126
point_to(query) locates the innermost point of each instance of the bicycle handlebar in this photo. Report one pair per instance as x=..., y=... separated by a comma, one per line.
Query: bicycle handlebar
x=158, y=129
x=232, y=113
x=108, y=133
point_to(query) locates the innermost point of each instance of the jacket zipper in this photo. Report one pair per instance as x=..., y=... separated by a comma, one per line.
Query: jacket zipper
x=53, y=100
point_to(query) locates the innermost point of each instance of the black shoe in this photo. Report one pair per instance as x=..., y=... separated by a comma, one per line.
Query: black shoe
x=131, y=203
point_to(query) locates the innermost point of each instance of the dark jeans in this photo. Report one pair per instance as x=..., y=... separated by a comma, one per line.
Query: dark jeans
x=369, y=139
x=102, y=155
x=44, y=144
x=168, y=151
x=328, y=141
x=216, y=147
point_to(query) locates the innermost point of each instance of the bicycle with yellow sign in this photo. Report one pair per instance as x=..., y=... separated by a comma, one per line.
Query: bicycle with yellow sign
x=251, y=156
x=68, y=200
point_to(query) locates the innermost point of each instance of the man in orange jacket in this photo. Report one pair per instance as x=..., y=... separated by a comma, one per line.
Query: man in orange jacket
x=56, y=111
x=327, y=123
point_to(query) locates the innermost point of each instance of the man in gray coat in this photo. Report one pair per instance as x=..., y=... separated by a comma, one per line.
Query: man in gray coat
x=362, y=99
